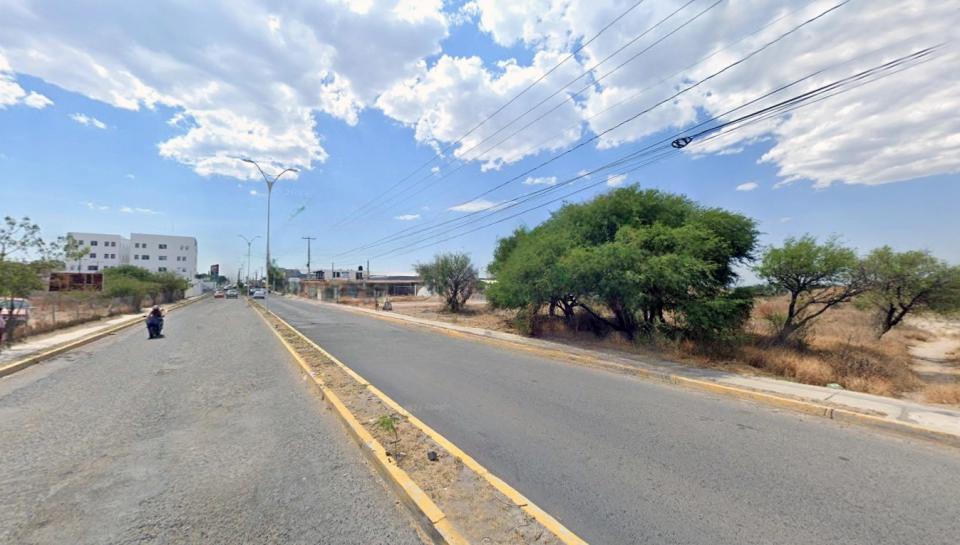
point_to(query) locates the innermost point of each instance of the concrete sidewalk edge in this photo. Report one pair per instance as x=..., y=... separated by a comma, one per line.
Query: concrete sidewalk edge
x=544, y=518
x=764, y=397
x=29, y=361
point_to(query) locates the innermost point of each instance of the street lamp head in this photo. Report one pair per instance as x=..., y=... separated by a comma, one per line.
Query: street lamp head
x=245, y=160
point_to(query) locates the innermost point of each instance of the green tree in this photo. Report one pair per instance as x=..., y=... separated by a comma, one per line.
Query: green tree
x=17, y=238
x=901, y=283
x=816, y=277
x=69, y=249
x=652, y=259
x=452, y=276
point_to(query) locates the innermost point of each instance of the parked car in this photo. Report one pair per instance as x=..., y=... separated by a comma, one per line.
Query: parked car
x=219, y=294
x=15, y=311
x=232, y=294
x=259, y=294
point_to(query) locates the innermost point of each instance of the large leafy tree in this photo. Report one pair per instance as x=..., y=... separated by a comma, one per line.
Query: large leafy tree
x=901, y=283
x=452, y=276
x=816, y=277
x=650, y=258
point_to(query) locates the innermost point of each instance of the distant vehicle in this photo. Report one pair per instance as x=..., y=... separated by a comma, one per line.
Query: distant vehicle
x=232, y=294
x=15, y=311
x=219, y=294
x=259, y=294
x=252, y=291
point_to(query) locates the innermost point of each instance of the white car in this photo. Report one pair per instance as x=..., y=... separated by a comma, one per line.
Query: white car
x=259, y=294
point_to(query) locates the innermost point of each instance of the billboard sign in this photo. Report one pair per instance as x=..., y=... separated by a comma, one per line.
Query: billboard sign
x=76, y=282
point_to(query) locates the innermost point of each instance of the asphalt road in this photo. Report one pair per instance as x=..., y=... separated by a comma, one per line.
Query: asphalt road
x=621, y=460
x=208, y=435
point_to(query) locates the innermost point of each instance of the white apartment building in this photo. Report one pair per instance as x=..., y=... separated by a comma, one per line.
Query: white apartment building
x=155, y=253
x=105, y=251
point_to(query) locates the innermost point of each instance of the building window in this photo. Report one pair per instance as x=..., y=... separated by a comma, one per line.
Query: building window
x=93, y=242
x=92, y=267
x=80, y=242
x=144, y=257
x=113, y=244
x=188, y=247
x=93, y=256
x=161, y=269
x=113, y=256
x=162, y=258
x=163, y=246
x=136, y=257
x=136, y=245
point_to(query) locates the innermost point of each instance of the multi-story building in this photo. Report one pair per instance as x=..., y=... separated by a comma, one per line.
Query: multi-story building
x=105, y=251
x=164, y=253
x=156, y=253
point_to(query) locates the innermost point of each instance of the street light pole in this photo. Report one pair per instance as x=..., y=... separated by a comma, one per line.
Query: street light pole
x=269, y=194
x=249, y=242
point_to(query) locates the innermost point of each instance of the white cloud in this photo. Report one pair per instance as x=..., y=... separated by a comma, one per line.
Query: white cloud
x=246, y=82
x=865, y=136
x=551, y=180
x=254, y=192
x=424, y=208
x=408, y=217
x=88, y=121
x=131, y=176
x=131, y=210
x=38, y=101
x=446, y=101
x=11, y=93
x=476, y=206
x=785, y=220
x=93, y=206
x=749, y=186
x=616, y=180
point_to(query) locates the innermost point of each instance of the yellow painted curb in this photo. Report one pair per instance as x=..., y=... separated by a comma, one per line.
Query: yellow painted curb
x=29, y=361
x=544, y=518
x=428, y=516
x=773, y=400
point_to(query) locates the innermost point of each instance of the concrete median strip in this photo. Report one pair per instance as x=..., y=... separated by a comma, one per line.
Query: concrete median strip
x=425, y=511
x=761, y=397
x=24, y=363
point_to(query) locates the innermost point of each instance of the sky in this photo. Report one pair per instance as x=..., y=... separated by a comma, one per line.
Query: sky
x=423, y=126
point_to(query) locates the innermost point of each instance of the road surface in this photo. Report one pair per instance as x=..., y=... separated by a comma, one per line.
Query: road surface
x=208, y=435
x=622, y=460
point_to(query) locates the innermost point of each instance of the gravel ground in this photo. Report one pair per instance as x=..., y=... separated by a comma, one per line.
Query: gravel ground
x=208, y=435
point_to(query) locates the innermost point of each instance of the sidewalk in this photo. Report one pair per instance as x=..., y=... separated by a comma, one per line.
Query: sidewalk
x=893, y=410
x=46, y=341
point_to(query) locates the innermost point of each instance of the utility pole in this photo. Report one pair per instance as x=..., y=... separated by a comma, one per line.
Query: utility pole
x=308, y=239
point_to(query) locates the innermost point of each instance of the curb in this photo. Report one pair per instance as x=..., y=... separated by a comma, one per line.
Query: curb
x=521, y=501
x=29, y=361
x=769, y=399
x=429, y=517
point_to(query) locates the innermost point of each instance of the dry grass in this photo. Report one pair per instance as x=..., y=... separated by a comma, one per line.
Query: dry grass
x=947, y=394
x=842, y=348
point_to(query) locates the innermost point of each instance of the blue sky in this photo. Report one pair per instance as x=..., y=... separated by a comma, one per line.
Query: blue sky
x=134, y=134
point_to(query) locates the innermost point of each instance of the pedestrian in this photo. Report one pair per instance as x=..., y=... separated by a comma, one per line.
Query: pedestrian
x=3, y=327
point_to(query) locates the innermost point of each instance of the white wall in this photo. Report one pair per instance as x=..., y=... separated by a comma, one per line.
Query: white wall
x=105, y=251
x=176, y=254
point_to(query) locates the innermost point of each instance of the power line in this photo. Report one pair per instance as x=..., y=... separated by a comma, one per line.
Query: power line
x=521, y=93
x=612, y=106
x=790, y=104
x=555, y=93
x=599, y=135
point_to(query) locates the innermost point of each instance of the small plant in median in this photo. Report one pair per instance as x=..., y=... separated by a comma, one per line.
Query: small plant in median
x=388, y=424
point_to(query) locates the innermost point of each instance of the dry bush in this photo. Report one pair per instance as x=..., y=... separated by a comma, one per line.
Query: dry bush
x=947, y=394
